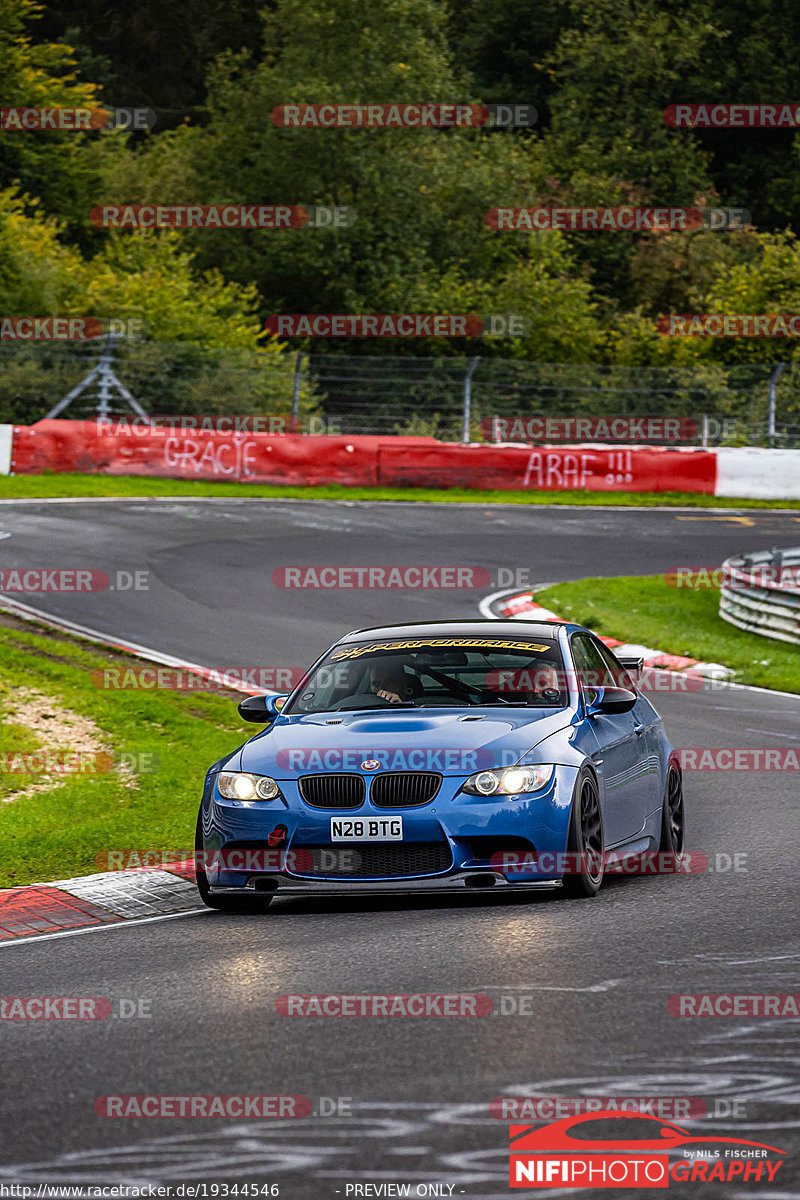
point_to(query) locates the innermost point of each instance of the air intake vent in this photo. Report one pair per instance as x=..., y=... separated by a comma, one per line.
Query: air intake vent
x=332, y=791
x=371, y=860
x=404, y=789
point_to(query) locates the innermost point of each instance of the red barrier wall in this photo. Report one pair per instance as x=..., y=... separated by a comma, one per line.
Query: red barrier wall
x=243, y=457
x=593, y=468
x=356, y=461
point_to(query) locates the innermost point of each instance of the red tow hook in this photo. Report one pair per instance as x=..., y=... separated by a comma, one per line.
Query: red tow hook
x=277, y=837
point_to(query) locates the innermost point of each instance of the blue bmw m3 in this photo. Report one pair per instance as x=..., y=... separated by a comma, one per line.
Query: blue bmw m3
x=457, y=754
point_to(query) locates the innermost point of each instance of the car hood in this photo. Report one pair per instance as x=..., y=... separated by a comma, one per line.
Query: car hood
x=454, y=741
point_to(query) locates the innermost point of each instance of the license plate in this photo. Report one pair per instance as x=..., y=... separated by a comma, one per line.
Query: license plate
x=366, y=829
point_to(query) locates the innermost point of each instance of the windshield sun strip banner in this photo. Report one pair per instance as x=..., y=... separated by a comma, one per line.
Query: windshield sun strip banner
x=439, y=643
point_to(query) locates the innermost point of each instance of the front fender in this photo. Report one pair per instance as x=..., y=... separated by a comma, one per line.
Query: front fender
x=562, y=748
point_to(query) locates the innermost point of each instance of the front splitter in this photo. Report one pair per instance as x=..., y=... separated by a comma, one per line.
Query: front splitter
x=461, y=882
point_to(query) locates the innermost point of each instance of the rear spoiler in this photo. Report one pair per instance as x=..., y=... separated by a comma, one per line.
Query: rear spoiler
x=633, y=665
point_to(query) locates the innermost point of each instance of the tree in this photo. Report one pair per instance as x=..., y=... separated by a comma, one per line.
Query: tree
x=63, y=169
x=419, y=196
x=152, y=279
x=153, y=55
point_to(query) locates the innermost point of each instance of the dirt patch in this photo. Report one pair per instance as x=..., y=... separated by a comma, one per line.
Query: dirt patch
x=59, y=730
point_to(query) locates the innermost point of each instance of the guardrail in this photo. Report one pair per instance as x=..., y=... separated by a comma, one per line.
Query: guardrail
x=761, y=593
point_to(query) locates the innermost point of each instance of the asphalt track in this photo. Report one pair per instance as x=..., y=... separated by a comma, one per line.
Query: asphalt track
x=595, y=975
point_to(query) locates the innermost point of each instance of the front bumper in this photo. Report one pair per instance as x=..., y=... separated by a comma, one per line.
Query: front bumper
x=453, y=822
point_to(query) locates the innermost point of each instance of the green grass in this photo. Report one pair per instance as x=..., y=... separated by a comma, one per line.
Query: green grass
x=60, y=832
x=646, y=610
x=54, y=485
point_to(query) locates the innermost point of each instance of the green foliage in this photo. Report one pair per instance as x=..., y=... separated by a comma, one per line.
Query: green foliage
x=143, y=275
x=643, y=609
x=170, y=737
x=219, y=365
x=600, y=72
x=152, y=54
x=63, y=169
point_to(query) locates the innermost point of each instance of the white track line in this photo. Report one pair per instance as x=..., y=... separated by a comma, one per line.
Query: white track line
x=28, y=613
x=748, y=512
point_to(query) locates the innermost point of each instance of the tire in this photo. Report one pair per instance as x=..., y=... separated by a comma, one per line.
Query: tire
x=247, y=902
x=673, y=815
x=585, y=837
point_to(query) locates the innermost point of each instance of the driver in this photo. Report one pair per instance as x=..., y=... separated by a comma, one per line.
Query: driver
x=546, y=679
x=388, y=680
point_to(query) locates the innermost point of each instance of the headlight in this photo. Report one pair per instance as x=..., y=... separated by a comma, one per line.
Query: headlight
x=514, y=781
x=236, y=785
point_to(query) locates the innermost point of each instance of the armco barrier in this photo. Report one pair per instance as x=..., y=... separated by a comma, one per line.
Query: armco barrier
x=365, y=461
x=758, y=604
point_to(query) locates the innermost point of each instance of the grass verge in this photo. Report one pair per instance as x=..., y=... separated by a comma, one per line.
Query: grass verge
x=166, y=740
x=646, y=610
x=47, y=486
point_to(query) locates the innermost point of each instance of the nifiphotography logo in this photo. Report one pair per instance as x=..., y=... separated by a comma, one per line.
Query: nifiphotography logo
x=621, y=1150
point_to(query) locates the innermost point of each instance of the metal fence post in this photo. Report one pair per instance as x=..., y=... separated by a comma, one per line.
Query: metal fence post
x=773, y=384
x=103, y=374
x=298, y=371
x=468, y=399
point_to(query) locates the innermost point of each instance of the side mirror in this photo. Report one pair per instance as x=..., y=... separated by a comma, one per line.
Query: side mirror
x=633, y=666
x=261, y=709
x=610, y=701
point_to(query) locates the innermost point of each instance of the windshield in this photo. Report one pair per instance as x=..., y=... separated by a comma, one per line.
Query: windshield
x=426, y=672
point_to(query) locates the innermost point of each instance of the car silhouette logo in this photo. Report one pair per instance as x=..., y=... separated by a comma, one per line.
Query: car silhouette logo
x=370, y=764
x=558, y=1136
